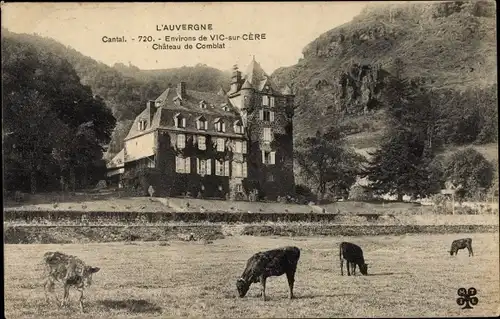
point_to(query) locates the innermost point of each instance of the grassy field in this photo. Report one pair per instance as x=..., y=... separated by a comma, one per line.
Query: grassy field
x=410, y=275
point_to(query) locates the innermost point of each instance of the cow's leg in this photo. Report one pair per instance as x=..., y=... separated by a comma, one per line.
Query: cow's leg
x=353, y=266
x=66, y=295
x=348, y=270
x=341, y=267
x=263, y=286
x=291, y=279
x=470, y=251
x=48, y=287
x=81, y=299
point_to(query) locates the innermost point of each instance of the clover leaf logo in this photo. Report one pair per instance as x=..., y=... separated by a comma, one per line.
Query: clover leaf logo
x=467, y=298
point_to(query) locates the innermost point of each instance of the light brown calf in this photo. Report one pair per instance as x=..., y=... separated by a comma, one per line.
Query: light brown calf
x=68, y=270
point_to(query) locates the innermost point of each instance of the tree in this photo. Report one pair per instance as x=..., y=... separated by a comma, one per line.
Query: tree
x=47, y=112
x=402, y=163
x=400, y=166
x=470, y=169
x=325, y=160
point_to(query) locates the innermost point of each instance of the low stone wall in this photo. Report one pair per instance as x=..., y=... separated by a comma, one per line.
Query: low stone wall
x=128, y=218
x=84, y=234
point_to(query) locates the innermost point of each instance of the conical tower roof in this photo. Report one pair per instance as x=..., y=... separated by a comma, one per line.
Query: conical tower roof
x=256, y=77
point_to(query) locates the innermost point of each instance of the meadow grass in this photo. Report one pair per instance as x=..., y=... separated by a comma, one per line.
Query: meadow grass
x=411, y=275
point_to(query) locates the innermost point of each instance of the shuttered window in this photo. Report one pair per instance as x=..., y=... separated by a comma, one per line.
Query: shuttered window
x=202, y=143
x=267, y=135
x=220, y=145
x=182, y=165
x=181, y=141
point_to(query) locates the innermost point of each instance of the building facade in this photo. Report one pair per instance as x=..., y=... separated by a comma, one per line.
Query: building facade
x=229, y=144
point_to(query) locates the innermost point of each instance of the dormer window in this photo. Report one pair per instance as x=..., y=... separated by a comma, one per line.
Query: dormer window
x=238, y=127
x=201, y=123
x=225, y=108
x=179, y=121
x=141, y=125
x=220, y=126
x=178, y=100
x=203, y=104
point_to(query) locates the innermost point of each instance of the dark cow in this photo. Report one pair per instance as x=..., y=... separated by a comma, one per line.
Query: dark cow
x=458, y=244
x=70, y=271
x=262, y=265
x=353, y=254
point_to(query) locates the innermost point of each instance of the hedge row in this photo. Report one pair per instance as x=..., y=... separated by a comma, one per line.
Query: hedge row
x=161, y=217
x=363, y=230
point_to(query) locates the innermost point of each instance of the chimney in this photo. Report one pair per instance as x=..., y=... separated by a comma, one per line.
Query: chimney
x=151, y=107
x=181, y=90
x=235, y=79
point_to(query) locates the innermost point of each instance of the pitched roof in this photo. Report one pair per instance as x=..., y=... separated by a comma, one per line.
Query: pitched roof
x=117, y=161
x=256, y=77
x=287, y=90
x=217, y=106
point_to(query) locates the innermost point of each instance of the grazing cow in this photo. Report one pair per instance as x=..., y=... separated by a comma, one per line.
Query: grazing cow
x=461, y=244
x=353, y=254
x=262, y=265
x=70, y=271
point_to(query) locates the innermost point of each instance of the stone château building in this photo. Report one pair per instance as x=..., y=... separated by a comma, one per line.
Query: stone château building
x=215, y=145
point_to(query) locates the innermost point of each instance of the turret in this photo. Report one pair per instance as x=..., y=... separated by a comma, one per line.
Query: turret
x=235, y=79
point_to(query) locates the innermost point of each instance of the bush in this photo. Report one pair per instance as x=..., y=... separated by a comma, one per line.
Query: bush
x=471, y=170
x=360, y=193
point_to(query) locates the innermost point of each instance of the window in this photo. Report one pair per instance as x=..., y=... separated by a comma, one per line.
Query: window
x=268, y=157
x=141, y=126
x=240, y=147
x=267, y=135
x=270, y=177
x=182, y=165
x=238, y=127
x=225, y=108
x=239, y=188
x=204, y=166
x=179, y=121
x=267, y=116
x=203, y=104
x=202, y=143
x=271, y=101
x=181, y=141
x=239, y=169
x=202, y=124
x=220, y=126
x=221, y=168
x=150, y=162
x=221, y=145
x=265, y=100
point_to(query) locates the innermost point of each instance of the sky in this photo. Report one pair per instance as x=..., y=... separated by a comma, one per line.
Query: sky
x=288, y=28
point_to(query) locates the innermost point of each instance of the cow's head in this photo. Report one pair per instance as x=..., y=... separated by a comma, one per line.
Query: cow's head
x=87, y=275
x=451, y=252
x=364, y=269
x=242, y=285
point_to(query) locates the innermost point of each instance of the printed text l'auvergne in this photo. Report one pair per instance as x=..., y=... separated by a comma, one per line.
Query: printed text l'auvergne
x=184, y=27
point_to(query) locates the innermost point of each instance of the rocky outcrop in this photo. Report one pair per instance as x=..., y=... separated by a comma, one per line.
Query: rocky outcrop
x=451, y=45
